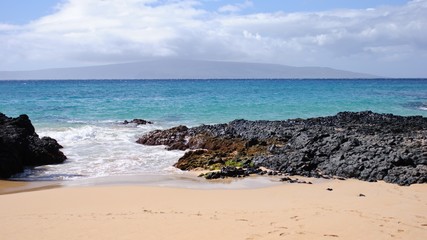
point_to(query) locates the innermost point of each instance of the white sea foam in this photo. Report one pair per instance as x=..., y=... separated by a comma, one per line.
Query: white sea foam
x=104, y=149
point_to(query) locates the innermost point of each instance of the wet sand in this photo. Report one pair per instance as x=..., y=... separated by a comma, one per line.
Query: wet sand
x=283, y=211
x=9, y=187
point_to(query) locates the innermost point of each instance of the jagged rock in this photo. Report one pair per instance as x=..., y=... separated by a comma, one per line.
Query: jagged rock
x=363, y=145
x=228, y=171
x=290, y=180
x=20, y=146
x=138, y=122
x=175, y=138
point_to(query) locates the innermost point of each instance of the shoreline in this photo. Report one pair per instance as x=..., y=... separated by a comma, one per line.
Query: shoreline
x=286, y=211
x=185, y=180
x=362, y=145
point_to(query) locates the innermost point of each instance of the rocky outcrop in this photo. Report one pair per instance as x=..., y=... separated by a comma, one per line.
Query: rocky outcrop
x=363, y=145
x=20, y=146
x=137, y=122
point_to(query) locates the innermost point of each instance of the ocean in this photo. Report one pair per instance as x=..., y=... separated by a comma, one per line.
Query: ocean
x=86, y=116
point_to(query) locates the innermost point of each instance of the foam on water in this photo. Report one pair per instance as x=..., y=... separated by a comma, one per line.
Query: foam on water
x=103, y=149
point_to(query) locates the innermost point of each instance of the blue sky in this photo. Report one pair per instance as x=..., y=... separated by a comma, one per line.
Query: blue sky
x=386, y=38
x=23, y=11
x=302, y=5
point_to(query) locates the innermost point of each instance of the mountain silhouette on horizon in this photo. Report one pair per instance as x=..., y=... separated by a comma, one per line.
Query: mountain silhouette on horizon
x=183, y=69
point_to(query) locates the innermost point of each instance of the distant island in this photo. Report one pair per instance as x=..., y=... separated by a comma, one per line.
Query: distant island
x=184, y=69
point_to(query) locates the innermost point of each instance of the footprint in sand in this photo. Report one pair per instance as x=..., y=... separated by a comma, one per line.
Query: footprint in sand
x=253, y=237
x=242, y=220
x=330, y=235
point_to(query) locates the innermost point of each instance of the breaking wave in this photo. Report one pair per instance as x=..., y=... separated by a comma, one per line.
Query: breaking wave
x=103, y=149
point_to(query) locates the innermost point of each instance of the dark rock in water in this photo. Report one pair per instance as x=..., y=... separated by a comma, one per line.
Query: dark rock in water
x=20, y=146
x=138, y=122
x=363, y=145
x=175, y=138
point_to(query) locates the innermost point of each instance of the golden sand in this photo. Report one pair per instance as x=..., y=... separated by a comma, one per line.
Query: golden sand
x=288, y=211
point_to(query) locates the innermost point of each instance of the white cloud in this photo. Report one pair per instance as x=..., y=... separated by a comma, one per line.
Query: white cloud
x=106, y=31
x=7, y=27
x=234, y=8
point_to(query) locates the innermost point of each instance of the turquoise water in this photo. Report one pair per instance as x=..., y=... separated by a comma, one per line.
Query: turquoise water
x=214, y=101
x=84, y=116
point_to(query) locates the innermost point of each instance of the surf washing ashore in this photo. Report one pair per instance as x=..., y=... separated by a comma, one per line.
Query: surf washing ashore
x=119, y=179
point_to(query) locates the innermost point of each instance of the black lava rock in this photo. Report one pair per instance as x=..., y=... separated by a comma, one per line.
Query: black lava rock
x=20, y=146
x=362, y=145
x=138, y=122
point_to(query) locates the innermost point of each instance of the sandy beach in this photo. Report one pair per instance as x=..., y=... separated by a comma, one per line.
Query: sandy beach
x=286, y=211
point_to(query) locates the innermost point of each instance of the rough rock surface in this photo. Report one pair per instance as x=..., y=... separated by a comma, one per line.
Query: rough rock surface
x=137, y=121
x=363, y=145
x=20, y=146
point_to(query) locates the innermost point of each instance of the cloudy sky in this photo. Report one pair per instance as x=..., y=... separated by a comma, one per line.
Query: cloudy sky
x=387, y=38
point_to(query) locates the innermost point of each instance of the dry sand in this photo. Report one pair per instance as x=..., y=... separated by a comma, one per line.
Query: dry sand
x=288, y=211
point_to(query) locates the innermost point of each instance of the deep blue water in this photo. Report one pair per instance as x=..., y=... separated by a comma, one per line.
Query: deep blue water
x=84, y=116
